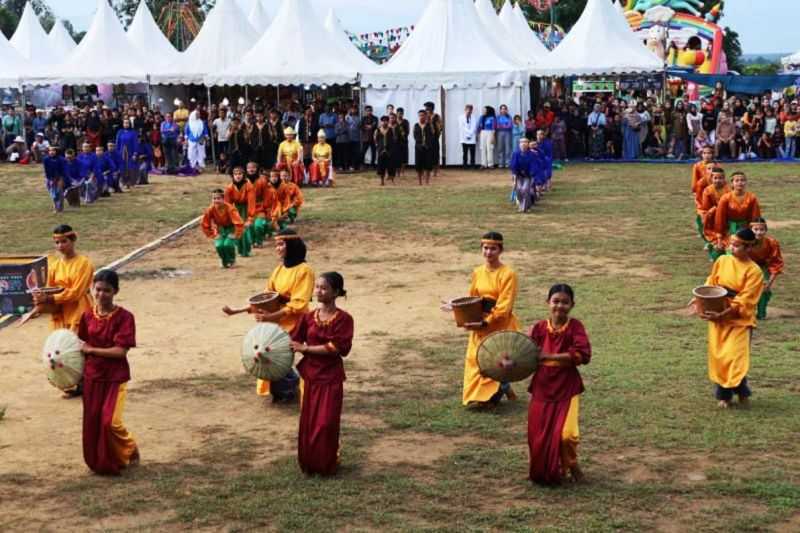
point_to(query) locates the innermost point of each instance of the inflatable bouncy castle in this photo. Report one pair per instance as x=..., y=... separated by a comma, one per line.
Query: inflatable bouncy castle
x=683, y=32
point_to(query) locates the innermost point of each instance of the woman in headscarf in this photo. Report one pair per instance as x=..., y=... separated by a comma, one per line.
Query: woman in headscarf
x=196, y=133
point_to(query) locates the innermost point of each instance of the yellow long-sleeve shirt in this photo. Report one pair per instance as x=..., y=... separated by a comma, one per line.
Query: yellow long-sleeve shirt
x=75, y=275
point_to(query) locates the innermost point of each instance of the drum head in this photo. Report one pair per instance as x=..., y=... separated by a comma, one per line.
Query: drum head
x=63, y=359
x=507, y=356
x=266, y=353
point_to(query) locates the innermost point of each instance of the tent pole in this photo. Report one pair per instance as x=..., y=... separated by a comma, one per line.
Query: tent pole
x=278, y=98
x=210, y=134
x=149, y=94
x=442, y=96
x=246, y=96
x=22, y=97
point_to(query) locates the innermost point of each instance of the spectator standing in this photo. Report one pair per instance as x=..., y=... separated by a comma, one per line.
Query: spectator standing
x=486, y=136
x=169, y=140
x=368, y=125
x=354, y=135
x=503, y=136
x=597, y=125
x=220, y=128
x=468, y=131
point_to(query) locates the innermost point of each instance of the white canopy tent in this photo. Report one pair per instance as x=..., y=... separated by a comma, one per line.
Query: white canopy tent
x=60, y=41
x=449, y=61
x=354, y=55
x=12, y=65
x=522, y=36
x=145, y=35
x=224, y=39
x=295, y=50
x=600, y=43
x=497, y=33
x=30, y=40
x=105, y=55
x=258, y=17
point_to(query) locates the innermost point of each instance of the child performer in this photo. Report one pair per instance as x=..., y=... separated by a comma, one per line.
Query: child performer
x=240, y=194
x=546, y=150
x=294, y=197
x=715, y=243
x=321, y=171
x=293, y=279
x=555, y=390
x=496, y=282
x=145, y=160
x=290, y=156
x=385, y=146
x=524, y=165
x=766, y=252
x=108, y=332
x=280, y=213
x=54, y=178
x=323, y=336
x=220, y=220
x=540, y=173
x=103, y=172
x=701, y=178
x=736, y=209
x=729, y=331
x=73, y=178
x=117, y=166
x=265, y=203
x=88, y=163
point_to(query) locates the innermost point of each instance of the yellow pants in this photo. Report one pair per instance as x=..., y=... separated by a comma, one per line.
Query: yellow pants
x=121, y=441
x=570, y=437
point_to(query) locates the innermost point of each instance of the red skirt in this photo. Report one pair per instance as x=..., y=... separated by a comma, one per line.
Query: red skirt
x=320, y=420
x=107, y=445
x=545, y=425
x=296, y=170
x=318, y=172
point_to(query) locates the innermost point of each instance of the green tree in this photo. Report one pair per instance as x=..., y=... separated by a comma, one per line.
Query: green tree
x=761, y=69
x=733, y=49
x=126, y=9
x=8, y=22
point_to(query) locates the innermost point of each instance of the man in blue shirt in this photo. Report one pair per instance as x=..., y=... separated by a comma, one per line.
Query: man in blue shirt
x=503, y=133
x=54, y=178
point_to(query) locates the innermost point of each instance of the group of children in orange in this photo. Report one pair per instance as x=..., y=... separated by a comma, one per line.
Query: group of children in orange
x=253, y=207
x=723, y=209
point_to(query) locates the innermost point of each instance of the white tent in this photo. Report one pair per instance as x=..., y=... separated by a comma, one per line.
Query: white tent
x=295, y=50
x=30, y=40
x=449, y=61
x=12, y=64
x=258, y=17
x=497, y=33
x=60, y=41
x=224, y=39
x=145, y=35
x=105, y=55
x=354, y=55
x=601, y=42
x=523, y=37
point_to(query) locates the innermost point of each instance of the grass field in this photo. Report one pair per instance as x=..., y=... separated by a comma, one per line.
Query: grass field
x=657, y=453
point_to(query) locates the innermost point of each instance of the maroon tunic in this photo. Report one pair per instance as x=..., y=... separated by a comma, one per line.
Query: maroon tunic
x=102, y=377
x=323, y=377
x=552, y=388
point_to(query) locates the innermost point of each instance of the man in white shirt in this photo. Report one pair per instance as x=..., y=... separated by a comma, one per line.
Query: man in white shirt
x=220, y=130
x=468, y=131
x=39, y=147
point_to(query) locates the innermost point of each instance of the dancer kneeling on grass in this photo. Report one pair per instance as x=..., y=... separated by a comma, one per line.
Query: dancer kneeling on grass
x=524, y=166
x=496, y=283
x=222, y=223
x=766, y=252
x=729, y=331
x=241, y=195
x=716, y=244
x=555, y=390
x=323, y=336
x=293, y=279
x=109, y=332
x=294, y=197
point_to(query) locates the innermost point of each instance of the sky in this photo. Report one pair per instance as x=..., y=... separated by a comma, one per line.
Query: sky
x=761, y=30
